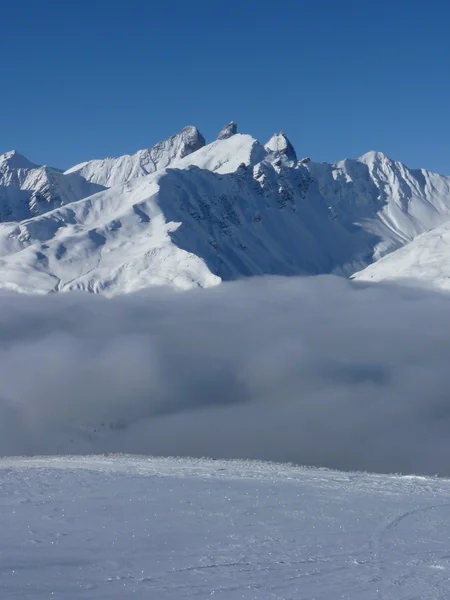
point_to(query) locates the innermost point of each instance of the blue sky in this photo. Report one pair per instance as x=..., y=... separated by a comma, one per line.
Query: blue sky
x=96, y=78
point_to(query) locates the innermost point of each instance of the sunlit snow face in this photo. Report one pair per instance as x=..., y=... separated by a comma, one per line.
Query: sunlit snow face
x=316, y=371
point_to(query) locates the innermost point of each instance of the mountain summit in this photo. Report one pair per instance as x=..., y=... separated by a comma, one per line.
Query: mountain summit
x=280, y=144
x=227, y=131
x=14, y=160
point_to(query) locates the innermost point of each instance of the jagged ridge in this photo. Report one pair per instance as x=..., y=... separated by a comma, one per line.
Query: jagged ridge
x=27, y=189
x=114, y=171
x=229, y=209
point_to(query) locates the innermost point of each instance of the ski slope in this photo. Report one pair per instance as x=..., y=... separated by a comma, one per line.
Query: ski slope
x=109, y=528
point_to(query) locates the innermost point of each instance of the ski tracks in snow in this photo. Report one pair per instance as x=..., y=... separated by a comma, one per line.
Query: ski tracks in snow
x=396, y=563
x=97, y=529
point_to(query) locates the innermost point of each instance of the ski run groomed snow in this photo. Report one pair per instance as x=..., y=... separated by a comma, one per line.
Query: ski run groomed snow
x=146, y=528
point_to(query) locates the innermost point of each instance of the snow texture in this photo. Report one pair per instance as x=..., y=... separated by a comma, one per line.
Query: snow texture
x=121, y=527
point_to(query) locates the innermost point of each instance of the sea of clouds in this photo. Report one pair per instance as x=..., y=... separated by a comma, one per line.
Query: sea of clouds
x=317, y=371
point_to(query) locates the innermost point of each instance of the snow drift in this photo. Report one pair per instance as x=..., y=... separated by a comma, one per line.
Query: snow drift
x=319, y=371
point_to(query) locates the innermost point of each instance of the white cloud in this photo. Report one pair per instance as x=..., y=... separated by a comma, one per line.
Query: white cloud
x=317, y=371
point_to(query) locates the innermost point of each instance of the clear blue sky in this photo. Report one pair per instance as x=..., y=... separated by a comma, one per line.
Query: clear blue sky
x=87, y=79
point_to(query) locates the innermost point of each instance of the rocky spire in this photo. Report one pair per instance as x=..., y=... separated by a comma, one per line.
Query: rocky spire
x=192, y=140
x=280, y=144
x=228, y=131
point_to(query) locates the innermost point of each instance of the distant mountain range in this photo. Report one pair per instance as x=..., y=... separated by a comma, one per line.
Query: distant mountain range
x=185, y=213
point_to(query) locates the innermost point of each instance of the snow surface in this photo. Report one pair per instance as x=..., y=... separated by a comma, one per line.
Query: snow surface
x=127, y=527
x=224, y=211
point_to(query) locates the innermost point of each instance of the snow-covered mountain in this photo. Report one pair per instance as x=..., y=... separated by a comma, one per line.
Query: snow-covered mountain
x=122, y=239
x=221, y=211
x=27, y=189
x=114, y=171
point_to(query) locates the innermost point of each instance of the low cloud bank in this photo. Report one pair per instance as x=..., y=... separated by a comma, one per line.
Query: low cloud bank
x=318, y=371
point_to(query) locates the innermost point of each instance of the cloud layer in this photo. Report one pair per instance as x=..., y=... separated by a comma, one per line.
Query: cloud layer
x=318, y=371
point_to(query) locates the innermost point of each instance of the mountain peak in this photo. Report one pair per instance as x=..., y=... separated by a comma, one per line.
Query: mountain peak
x=15, y=160
x=280, y=144
x=228, y=131
x=192, y=139
x=373, y=157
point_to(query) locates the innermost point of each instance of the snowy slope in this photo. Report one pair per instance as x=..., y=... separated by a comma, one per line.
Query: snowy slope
x=230, y=209
x=27, y=189
x=122, y=527
x=114, y=171
x=425, y=260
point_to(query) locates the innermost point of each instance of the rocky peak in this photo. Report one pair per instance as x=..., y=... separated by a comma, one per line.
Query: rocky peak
x=192, y=140
x=228, y=131
x=279, y=144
